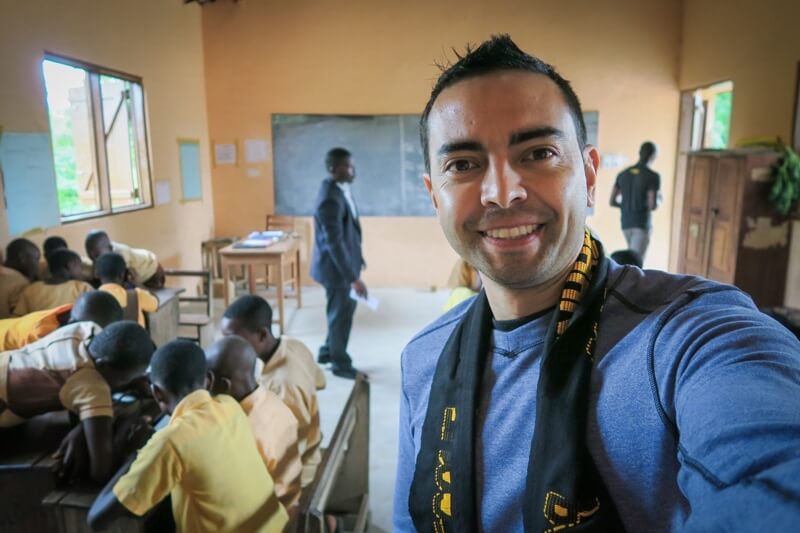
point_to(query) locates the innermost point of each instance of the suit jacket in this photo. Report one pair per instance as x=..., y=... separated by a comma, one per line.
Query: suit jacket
x=337, y=260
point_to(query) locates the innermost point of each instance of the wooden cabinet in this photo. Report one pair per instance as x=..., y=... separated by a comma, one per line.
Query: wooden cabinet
x=730, y=232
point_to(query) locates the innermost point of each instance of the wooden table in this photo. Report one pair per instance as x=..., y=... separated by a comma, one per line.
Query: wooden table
x=279, y=255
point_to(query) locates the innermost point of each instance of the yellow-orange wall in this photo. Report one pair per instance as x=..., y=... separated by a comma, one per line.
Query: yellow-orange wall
x=158, y=40
x=367, y=57
x=757, y=46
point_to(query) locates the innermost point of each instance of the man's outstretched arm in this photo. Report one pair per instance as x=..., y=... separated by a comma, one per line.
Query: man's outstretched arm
x=736, y=410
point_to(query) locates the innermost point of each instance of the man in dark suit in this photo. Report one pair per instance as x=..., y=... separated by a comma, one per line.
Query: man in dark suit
x=337, y=261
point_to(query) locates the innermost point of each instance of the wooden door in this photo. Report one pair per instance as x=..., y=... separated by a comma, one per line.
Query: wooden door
x=725, y=203
x=694, y=256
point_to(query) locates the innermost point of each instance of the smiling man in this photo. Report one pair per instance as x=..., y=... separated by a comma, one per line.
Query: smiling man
x=573, y=393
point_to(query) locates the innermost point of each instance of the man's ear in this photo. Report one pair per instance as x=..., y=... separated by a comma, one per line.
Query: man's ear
x=263, y=334
x=210, y=381
x=158, y=394
x=591, y=162
x=426, y=178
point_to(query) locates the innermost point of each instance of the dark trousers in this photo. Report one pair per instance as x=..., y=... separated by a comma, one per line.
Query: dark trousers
x=339, y=311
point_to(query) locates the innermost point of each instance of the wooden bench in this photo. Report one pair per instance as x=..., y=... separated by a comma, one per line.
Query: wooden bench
x=341, y=484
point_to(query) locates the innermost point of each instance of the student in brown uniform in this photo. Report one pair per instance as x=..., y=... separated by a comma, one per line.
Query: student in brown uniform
x=63, y=287
x=142, y=264
x=231, y=367
x=95, y=306
x=289, y=371
x=76, y=367
x=53, y=243
x=19, y=270
x=111, y=271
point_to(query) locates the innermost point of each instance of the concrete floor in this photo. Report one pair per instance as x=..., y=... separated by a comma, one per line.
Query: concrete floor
x=375, y=345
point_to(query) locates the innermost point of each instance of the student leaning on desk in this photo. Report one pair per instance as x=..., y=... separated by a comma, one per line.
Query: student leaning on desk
x=205, y=459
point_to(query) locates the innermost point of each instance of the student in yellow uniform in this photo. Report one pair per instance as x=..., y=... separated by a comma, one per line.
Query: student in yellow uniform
x=111, y=269
x=50, y=245
x=231, y=366
x=142, y=264
x=289, y=370
x=19, y=271
x=205, y=459
x=95, y=306
x=63, y=287
x=76, y=367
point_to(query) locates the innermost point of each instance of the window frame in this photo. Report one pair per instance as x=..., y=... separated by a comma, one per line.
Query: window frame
x=98, y=138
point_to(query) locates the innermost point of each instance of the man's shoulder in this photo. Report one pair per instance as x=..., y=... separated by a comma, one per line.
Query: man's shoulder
x=296, y=346
x=427, y=344
x=649, y=290
x=270, y=411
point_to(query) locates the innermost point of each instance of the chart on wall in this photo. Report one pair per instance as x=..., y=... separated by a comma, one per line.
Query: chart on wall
x=386, y=153
x=29, y=182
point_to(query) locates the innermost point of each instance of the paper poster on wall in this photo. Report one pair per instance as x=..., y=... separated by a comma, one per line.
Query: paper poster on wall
x=29, y=181
x=256, y=150
x=163, y=194
x=225, y=153
x=191, y=178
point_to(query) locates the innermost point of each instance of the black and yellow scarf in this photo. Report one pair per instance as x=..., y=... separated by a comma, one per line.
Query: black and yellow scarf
x=564, y=491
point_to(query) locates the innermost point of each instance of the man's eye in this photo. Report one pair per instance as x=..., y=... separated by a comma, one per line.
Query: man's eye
x=460, y=165
x=540, y=154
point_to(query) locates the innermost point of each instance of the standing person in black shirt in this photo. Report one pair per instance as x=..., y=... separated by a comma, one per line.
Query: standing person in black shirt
x=636, y=194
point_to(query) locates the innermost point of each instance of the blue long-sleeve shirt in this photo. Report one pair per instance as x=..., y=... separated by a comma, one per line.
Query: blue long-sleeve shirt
x=694, y=414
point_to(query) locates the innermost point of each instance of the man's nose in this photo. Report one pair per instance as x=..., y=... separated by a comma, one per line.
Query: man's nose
x=502, y=185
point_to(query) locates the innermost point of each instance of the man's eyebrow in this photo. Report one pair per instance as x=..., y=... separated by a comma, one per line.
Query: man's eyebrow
x=459, y=146
x=535, y=133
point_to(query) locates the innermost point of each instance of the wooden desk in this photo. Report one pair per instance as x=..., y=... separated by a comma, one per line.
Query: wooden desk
x=26, y=474
x=162, y=324
x=278, y=255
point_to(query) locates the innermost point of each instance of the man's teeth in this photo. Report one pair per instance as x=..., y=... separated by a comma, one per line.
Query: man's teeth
x=512, y=233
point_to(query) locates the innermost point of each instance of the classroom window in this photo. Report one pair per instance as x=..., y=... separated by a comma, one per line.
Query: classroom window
x=712, y=116
x=99, y=137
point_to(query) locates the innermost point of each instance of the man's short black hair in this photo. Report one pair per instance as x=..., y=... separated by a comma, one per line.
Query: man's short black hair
x=99, y=307
x=497, y=54
x=19, y=247
x=93, y=238
x=251, y=311
x=179, y=367
x=59, y=261
x=51, y=244
x=110, y=266
x=123, y=345
x=627, y=257
x=335, y=156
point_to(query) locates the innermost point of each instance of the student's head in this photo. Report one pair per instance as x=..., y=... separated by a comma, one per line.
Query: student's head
x=340, y=166
x=110, y=268
x=24, y=256
x=64, y=264
x=121, y=353
x=51, y=244
x=648, y=152
x=627, y=257
x=177, y=369
x=250, y=317
x=510, y=174
x=98, y=307
x=231, y=367
x=97, y=243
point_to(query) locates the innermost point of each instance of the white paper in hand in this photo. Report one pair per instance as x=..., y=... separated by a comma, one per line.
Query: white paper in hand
x=369, y=301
